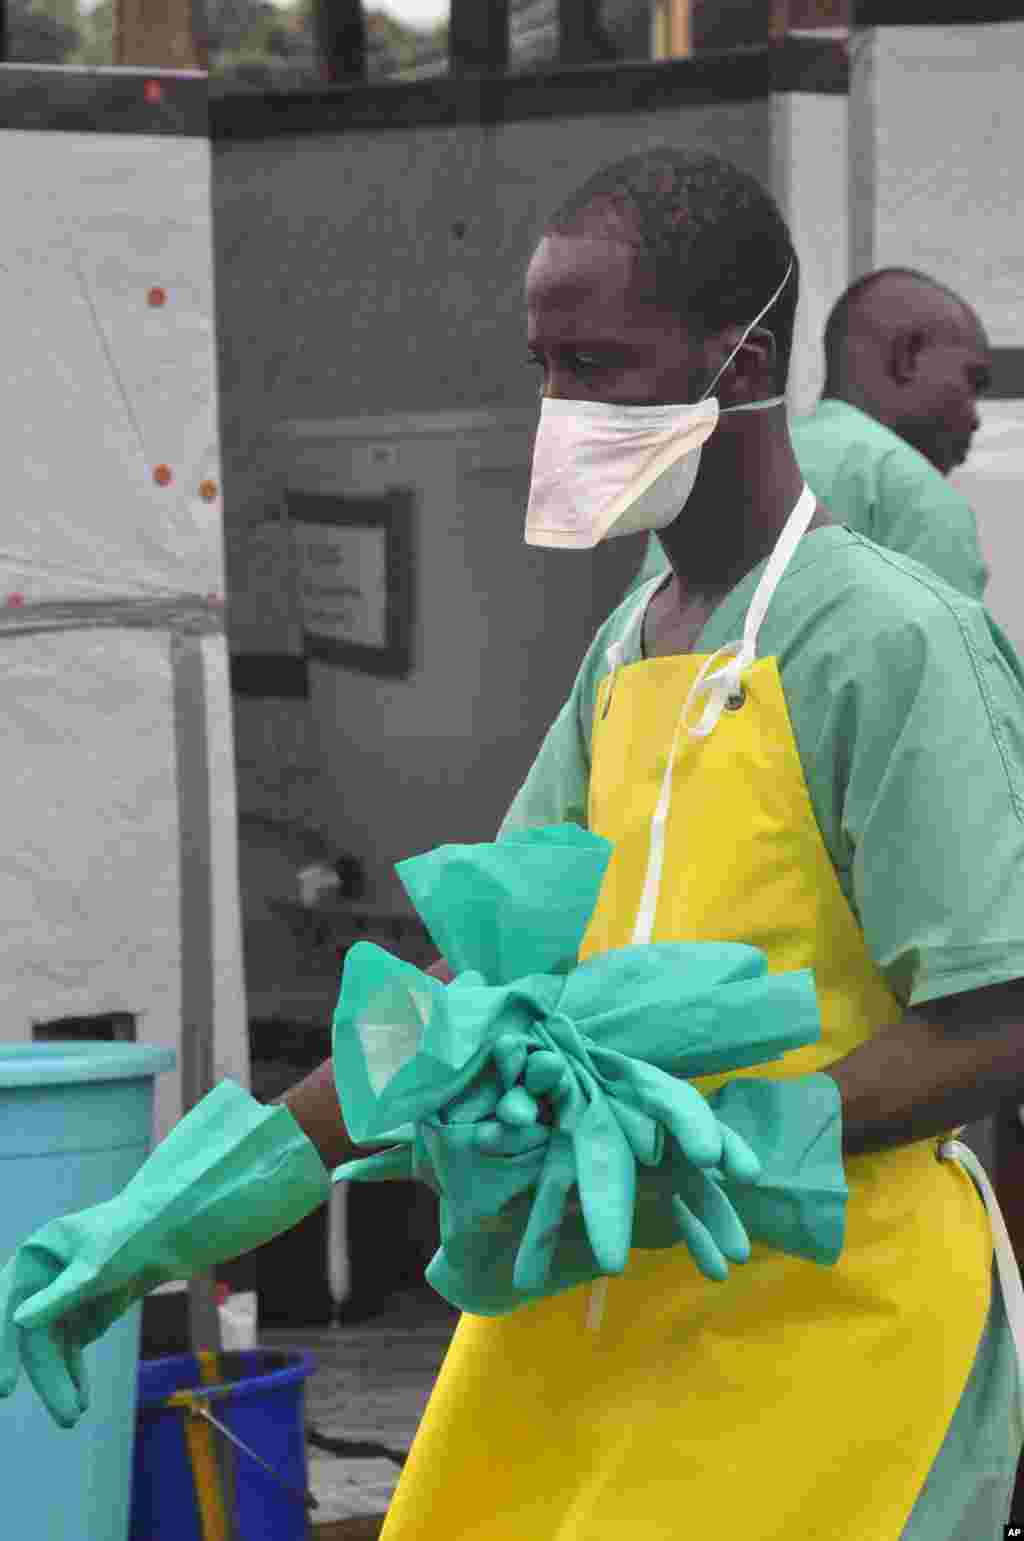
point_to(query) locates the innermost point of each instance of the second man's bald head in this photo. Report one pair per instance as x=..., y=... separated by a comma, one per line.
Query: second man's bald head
x=911, y=353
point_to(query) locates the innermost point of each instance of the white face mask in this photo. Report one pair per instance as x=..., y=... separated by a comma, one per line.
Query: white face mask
x=602, y=470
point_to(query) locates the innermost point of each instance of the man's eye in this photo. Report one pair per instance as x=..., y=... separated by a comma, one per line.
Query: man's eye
x=579, y=363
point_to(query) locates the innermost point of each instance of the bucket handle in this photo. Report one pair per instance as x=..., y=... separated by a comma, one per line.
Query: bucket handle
x=193, y=1404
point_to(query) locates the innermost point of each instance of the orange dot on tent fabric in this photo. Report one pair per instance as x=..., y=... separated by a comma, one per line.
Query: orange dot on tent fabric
x=15, y=601
x=163, y=476
x=157, y=296
x=208, y=491
x=154, y=91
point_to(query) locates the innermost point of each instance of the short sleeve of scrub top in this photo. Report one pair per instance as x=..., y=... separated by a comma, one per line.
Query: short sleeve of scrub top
x=907, y=706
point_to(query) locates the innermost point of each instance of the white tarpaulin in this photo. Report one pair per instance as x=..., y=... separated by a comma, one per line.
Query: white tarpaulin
x=118, y=846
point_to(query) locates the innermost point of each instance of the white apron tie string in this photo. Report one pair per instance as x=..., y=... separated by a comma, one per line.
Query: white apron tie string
x=596, y=1303
x=1006, y=1262
x=724, y=685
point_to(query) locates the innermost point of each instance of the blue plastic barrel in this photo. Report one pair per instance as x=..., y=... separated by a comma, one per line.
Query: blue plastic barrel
x=76, y=1123
x=260, y=1398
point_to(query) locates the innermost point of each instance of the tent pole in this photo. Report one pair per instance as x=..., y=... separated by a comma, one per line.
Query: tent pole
x=198, y=1068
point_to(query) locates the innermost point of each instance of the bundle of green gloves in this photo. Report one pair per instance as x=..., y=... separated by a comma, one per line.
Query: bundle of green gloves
x=547, y=1103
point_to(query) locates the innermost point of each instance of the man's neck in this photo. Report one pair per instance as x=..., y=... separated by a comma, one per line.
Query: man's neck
x=747, y=487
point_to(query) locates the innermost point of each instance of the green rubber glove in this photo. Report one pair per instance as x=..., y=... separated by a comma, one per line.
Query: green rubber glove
x=798, y=1203
x=231, y=1175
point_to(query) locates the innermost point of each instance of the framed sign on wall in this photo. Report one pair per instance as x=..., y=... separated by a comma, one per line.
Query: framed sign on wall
x=355, y=558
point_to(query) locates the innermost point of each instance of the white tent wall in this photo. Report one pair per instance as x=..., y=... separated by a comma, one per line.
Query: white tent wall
x=118, y=847
x=935, y=186
x=810, y=160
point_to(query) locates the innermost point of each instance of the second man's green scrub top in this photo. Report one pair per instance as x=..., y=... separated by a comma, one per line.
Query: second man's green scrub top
x=879, y=485
x=907, y=707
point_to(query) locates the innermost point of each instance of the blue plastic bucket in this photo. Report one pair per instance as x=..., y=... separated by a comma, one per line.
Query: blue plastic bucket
x=76, y=1123
x=259, y=1396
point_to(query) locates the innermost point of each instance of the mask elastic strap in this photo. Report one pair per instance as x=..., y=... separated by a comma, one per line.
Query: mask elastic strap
x=753, y=406
x=760, y=315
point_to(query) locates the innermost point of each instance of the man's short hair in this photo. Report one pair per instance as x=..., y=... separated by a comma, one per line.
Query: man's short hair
x=712, y=240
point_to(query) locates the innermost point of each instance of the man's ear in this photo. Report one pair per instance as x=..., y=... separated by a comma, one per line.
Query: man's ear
x=763, y=343
x=752, y=371
x=904, y=352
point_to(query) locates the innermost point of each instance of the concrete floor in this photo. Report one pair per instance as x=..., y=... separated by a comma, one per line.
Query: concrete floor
x=364, y=1403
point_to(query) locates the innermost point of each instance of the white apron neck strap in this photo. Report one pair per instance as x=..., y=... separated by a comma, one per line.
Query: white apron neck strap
x=793, y=532
x=723, y=686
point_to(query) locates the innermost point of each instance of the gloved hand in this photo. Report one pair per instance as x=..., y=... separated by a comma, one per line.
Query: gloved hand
x=231, y=1175
x=798, y=1204
x=679, y=1201
x=654, y=1151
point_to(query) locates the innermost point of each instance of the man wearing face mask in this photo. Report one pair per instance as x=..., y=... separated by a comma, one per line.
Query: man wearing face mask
x=905, y=360
x=794, y=740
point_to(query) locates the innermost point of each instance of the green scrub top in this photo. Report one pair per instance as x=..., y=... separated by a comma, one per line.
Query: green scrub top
x=907, y=707
x=880, y=486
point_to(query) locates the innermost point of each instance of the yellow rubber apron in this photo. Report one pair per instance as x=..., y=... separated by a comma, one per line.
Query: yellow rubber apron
x=791, y=1402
